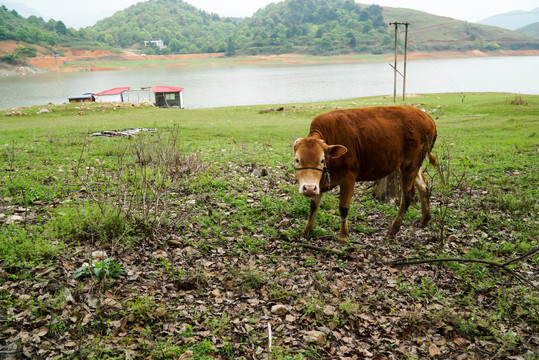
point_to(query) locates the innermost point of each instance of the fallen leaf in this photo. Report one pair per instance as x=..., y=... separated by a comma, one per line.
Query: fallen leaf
x=187, y=355
x=433, y=350
x=290, y=318
x=461, y=342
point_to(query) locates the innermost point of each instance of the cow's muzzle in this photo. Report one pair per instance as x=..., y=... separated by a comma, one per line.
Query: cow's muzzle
x=312, y=189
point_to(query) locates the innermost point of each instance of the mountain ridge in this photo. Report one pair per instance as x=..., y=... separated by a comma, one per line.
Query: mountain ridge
x=512, y=20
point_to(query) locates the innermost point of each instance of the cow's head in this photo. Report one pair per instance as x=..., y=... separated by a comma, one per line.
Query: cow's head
x=310, y=163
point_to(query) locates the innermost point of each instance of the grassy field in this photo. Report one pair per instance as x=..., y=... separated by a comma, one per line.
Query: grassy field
x=185, y=242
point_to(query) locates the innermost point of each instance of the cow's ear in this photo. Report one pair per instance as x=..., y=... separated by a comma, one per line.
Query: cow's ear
x=335, y=151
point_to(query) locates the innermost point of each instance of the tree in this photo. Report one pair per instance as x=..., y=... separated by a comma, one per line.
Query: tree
x=25, y=51
x=231, y=47
x=109, y=39
x=51, y=40
x=60, y=28
x=366, y=28
x=50, y=25
x=91, y=34
x=352, y=42
x=34, y=20
x=175, y=45
x=22, y=35
x=3, y=33
x=325, y=44
x=36, y=35
x=492, y=46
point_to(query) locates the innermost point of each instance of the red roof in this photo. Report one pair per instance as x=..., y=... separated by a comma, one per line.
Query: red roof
x=166, y=89
x=114, y=91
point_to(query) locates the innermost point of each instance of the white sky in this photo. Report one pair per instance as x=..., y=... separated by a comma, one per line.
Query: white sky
x=74, y=12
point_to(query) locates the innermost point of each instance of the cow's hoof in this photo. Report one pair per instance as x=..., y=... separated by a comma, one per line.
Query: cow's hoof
x=421, y=223
x=391, y=235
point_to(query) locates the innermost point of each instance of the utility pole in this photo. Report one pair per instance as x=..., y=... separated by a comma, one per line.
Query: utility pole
x=395, y=66
x=405, y=53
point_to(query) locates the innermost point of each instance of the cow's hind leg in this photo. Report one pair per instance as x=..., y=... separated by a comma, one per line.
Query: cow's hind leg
x=421, y=186
x=315, y=204
x=407, y=191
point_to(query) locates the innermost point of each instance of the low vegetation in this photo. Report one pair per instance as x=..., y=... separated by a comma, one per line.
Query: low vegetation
x=186, y=242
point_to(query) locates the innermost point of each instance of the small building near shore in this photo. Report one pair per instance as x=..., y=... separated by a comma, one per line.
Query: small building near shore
x=86, y=97
x=160, y=96
x=168, y=96
x=111, y=95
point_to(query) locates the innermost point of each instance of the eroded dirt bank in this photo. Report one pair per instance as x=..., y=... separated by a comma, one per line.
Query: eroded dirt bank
x=73, y=60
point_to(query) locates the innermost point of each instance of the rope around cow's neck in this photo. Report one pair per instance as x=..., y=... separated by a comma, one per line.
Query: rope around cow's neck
x=325, y=173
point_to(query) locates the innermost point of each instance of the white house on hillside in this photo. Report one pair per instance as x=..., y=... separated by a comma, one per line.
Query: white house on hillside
x=154, y=41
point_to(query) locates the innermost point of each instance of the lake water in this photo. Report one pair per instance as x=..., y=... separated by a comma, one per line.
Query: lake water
x=280, y=84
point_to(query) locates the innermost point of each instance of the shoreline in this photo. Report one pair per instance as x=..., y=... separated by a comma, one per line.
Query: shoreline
x=86, y=60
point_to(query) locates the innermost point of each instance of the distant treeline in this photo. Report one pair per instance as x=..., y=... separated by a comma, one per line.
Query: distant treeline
x=35, y=30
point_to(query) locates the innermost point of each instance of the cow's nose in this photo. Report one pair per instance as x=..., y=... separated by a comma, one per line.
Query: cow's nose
x=309, y=190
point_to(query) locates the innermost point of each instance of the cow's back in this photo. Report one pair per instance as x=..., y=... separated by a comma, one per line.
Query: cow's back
x=379, y=139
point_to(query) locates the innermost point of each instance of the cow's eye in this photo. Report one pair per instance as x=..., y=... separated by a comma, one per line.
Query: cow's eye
x=297, y=161
x=323, y=161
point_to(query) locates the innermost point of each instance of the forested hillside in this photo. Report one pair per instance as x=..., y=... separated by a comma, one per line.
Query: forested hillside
x=319, y=27
x=305, y=26
x=313, y=26
x=36, y=31
x=182, y=27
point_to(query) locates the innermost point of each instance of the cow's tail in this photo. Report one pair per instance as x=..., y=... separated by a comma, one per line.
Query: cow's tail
x=432, y=158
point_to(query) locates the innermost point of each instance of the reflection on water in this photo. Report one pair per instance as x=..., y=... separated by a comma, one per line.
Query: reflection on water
x=263, y=84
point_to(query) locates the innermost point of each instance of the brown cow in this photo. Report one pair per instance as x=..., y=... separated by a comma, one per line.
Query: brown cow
x=366, y=144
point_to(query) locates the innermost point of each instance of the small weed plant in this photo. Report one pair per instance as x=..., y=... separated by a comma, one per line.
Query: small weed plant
x=101, y=270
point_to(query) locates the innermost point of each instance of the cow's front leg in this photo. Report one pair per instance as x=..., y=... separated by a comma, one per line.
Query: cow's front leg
x=315, y=204
x=347, y=190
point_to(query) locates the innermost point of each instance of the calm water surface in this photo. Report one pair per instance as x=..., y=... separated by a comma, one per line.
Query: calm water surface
x=264, y=84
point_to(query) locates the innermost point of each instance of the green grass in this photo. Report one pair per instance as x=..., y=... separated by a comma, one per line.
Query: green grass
x=198, y=181
x=225, y=61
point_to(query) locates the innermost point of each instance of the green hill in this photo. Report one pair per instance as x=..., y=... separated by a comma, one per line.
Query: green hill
x=182, y=27
x=429, y=32
x=531, y=29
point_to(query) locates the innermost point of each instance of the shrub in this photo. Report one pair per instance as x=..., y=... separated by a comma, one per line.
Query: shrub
x=22, y=249
x=91, y=222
